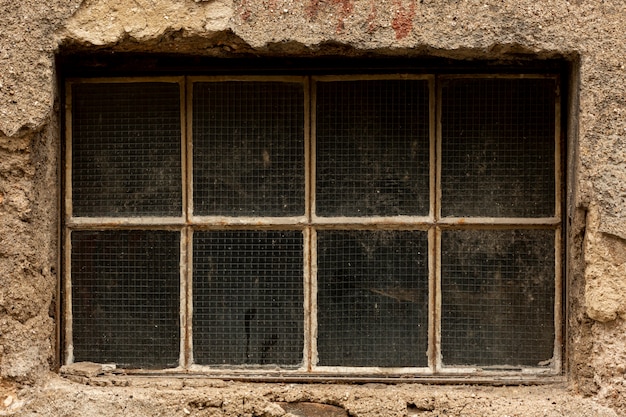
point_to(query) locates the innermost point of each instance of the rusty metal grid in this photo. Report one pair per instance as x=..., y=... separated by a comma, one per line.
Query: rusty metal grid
x=242, y=234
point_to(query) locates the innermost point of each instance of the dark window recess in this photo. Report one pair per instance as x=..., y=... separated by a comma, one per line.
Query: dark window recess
x=498, y=148
x=126, y=150
x=372, y=144
x=372, y=298
x=248, y=297
x=125, y=297
x=497, y=297
x=248, y=157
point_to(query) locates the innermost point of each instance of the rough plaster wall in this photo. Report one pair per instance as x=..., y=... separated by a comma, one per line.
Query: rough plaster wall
x=28, y=141
x=33, y=31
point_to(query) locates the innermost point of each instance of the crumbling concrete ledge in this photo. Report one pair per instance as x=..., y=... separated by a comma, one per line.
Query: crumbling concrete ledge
x=138, y=397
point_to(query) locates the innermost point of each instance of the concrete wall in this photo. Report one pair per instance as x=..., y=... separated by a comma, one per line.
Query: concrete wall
x=589, y=34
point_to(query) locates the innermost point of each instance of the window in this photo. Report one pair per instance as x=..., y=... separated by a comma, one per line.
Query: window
x=315, y=225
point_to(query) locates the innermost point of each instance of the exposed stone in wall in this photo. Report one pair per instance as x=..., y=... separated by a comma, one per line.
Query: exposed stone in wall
x=34, y=31
x=108, y=22
x=605, y=257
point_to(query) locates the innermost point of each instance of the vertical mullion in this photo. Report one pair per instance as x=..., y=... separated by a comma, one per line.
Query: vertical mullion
x=313, y=352
x=186, y=305
x=187, y=115
x=557, y=151
x=558, y=249
x=310, y=341
x=67, y=246
x=435, y=235
x=309, y=127
x=433, y=131
x=310, y=299
x=558, y=291
x=185, y=133
x=312, y=148
x=436, y=108
x=68, y=151
x=435, y=300
x=68, y=342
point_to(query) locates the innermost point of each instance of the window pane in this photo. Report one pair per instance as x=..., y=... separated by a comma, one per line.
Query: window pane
x=372, y=298
x=125, y=297
x=498, y=147
x=372, y=148
x=248, y=145
x=126, y=150
x=248, y=297
x=497, y=297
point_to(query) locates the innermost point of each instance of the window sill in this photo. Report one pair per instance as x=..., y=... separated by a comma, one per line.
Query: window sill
x=104, y=374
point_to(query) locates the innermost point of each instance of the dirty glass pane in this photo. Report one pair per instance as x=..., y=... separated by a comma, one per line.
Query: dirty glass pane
x=248, y=297
x=372, y=148
x=125, y=297
x=498, y=141
x=372, y=298
x=497, y=297
x=248, y=148
x=126, y=150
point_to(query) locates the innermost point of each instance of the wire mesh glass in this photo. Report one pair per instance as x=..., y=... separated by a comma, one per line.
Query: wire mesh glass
x=372, y=298
x=125, y=297
x=498, y=142
x=126, y=149
x=497, y=297
x=248, y=148
x=372, y=148
x=248, y=297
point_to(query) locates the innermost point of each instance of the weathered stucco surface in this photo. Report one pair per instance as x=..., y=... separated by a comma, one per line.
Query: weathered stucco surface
x=590, y=34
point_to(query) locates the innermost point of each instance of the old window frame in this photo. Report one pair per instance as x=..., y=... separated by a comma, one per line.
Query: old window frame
x=308, y=224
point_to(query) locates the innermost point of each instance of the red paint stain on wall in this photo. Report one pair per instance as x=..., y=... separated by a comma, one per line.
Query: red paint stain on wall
x=312, y=8
x=371, y=17
x=402, y=22
x=342, y=9
x=345, y=8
